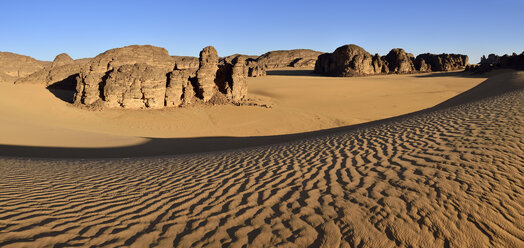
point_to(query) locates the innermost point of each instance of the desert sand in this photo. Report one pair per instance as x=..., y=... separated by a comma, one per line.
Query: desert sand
x=447, y=173
x=299, y=102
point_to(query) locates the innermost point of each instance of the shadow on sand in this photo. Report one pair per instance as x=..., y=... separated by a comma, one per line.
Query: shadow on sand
x=65, y=89
x=494, y=85
x=293, y=72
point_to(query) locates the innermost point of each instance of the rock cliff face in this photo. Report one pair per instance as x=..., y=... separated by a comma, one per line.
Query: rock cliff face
x=300, y=58
x=352, y=60
x=493, y=61
x=14, y=66
x=440, y=62
x=349, y=61
x=137, y=77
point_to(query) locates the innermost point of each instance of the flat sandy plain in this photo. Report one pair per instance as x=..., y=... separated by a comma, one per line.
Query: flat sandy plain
x=427, y=160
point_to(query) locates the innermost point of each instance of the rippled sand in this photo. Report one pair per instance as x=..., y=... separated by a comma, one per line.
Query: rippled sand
x=451, y=176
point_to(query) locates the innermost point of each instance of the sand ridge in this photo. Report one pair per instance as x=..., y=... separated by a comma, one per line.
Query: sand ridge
x=450, y=177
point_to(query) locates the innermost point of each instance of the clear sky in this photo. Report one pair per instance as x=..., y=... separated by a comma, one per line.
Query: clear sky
x=43, y=29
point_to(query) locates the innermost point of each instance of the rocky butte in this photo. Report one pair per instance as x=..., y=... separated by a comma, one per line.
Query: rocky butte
x=136, y=77
x=352, y=60
x=493, y=61
x=14, y=66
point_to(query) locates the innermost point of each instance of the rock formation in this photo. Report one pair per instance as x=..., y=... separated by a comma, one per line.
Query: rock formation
x=349, y=61
x=62, y=59
x=288, y=58
x=137, y=77
x=399, y=61
x=493, y=61
x=186, y=62
x=238, y=83
x=253, y=67
x=206, y=73
x=440, y=62
x=61, y=73
x=14, y=66
x=92, y=77
x=352, y=60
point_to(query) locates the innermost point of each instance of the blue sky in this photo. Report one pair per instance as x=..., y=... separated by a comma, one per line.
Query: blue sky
x=43, y=29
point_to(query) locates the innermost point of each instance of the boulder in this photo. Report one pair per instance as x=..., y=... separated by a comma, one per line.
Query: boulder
x=300, y=58
x=14, y=66
x=348, y=61
x=92, y=77
x=441, y=62
x=399, y=61
x=206, y=73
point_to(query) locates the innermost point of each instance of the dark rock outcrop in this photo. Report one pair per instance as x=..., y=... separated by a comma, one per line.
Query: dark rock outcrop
x=14, y=66
x=288, y=58
x=352, y=60
x=348, y=61
x=493, y=61
x=399, y=61
x=440, y=62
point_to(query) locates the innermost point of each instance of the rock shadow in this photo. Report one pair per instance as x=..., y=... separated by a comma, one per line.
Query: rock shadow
x=296, y=72
x=65, y=89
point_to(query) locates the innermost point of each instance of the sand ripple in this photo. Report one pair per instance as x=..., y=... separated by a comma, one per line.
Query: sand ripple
x=449, y=178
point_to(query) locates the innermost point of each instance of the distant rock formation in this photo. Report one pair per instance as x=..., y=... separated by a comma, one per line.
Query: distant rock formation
x=61, y=73
x=253, y=68
x=493, y=61
x=137, y=77
x=186, y=62
x=440, y=62
x=352, y=60
x=300, y=58
x=349, y=61
x=62, y=59
x=14, y=66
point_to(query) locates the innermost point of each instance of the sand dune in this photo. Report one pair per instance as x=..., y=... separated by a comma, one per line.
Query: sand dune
x=445, y=177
